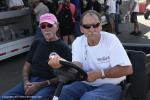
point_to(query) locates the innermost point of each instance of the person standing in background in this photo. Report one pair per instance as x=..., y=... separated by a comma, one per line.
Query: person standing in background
x=39, y=8
x=77, y=4
x=66, y=13
x=94, y=5
x=117, y=16
x=51, y=6
x=111, y=12
x=133, y=11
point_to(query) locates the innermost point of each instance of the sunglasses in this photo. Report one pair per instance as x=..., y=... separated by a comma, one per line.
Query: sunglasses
x=43, y=26
x=86, y=26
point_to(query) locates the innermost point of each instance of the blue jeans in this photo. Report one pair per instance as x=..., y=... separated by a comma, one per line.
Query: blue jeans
x=18, y=91
x=82, y=91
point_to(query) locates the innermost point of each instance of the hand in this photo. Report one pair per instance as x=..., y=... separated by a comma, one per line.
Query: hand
x=54, y=61
x=93, y=75
x=27, y=84
x=32, y=88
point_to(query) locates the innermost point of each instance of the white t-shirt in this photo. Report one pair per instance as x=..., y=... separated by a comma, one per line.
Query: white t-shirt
x=112, y=6
x=40, y=9
x=12, y=3
x=131, y=2
x=108, y=53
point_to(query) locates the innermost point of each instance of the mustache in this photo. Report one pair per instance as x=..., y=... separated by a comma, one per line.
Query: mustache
x=94, y=33
x=48, y=32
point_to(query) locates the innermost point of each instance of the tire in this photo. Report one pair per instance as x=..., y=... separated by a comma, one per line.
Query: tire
x=146, y=14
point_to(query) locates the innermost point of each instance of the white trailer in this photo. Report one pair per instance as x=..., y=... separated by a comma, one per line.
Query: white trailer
x=16, y=32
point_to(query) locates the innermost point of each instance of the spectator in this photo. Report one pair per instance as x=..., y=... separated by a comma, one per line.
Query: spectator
x=39, y=81
x=66, y=15
x=111, y=12
x=51, y=6
x=39, y=9
x=94, y=5
x=83, y=4
x=133, y=10
x=102, y=56
x=77, y=19
x=117, y=16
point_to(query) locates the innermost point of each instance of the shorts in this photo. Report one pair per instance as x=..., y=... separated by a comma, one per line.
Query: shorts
x=134, y=17
x=111, y=18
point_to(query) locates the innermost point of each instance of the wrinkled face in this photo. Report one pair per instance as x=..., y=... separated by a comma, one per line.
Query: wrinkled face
x=49, y=30
x=91, y=26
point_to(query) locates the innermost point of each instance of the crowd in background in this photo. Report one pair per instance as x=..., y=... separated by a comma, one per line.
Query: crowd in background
x=68, y=13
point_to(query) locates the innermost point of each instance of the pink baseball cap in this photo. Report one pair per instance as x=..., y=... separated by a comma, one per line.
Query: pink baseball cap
x=49, y=18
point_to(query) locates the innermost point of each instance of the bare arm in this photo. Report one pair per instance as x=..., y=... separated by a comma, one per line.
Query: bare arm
x=32, y=87
x=118, y=71
x=35, y=86
x=26, y=71
x=114, y=72
x=59, y=9
x=131, y=10
x=53, y=81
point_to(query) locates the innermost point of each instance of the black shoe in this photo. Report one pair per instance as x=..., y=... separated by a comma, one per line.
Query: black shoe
x=136, y=33
x=133, y=32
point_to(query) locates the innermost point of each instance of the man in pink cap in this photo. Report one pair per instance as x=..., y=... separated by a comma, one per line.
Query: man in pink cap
x=39, y=81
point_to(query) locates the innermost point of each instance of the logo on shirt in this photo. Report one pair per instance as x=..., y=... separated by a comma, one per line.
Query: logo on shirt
x=103, y=59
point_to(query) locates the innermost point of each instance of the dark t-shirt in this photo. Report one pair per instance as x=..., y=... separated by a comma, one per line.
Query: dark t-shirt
x=39, y=54
x=52, y=6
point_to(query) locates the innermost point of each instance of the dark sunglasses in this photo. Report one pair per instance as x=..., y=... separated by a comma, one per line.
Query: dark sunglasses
x=86, y=26
x=43, y=26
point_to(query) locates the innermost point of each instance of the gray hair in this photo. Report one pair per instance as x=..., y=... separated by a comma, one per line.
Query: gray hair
x=90, y=12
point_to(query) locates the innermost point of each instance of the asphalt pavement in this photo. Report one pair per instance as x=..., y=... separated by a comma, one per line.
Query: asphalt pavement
x=127, y=28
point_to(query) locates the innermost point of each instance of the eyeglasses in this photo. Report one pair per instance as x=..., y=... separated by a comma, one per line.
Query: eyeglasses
x=43, y=26
x=86, y=26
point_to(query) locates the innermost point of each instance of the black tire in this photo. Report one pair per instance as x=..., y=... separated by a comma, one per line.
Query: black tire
x=146, y=14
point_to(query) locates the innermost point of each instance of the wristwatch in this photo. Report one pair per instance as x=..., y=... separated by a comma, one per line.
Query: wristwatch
x=103, y=74
x=48, y=82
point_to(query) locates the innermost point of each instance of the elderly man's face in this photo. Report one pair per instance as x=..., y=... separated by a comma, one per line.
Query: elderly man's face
x=49, y=30
x=91, y=26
